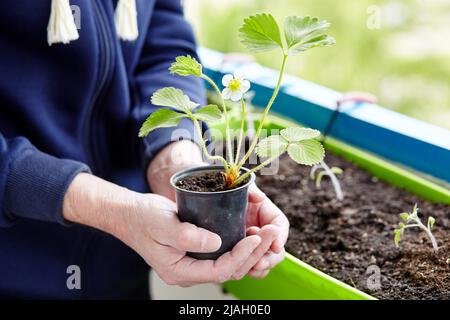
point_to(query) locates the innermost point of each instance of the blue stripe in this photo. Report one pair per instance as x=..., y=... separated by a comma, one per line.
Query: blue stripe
x=393, y=136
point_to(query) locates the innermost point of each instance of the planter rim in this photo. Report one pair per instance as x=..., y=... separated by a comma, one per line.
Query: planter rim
x=185, y=172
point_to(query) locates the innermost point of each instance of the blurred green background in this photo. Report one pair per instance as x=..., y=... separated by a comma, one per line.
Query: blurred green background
x=398, y=50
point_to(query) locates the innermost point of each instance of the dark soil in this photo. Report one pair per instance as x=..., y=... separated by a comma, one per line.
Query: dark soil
x=205, y=182
x=344, y=239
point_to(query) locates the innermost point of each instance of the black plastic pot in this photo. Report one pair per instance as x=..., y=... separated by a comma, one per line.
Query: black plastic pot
x=224, y=212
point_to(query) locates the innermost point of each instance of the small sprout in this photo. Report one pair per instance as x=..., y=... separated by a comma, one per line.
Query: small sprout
x=404, y=216
x=412, y=220
x=331, y=173
x=397, y=236
x=430, y=222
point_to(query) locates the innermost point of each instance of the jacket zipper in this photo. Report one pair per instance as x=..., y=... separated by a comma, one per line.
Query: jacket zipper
x=105, y=49
x=104, y=75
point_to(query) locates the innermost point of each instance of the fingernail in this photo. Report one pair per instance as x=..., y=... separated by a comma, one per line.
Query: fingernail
x=252, y=231
x=215, y=242
x=239, y=276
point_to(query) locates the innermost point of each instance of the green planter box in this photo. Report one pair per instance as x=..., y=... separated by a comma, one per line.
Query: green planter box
x=295, y=280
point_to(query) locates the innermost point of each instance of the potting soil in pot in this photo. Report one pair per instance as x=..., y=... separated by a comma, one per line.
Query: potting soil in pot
x=205, y=182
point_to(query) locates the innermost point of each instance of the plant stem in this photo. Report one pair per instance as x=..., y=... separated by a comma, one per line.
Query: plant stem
x=203, y=145
x=432, y=238
x=334, y=181
x=427, y=231
x=312, y=173
x=225, y=113
x=258, y=167
x=266, y=112
x=250, y=124
x=241, y=130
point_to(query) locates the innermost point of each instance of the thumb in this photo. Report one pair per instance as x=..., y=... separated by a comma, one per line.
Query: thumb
x=255, y=194
x=188, y=237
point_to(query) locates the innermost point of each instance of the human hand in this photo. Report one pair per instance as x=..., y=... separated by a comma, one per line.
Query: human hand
x=155, y=233
x=173, y=158
x=265, y=219
x=148, y=223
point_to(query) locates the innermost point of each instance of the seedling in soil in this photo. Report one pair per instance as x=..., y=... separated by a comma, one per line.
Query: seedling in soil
x=259, y=33
x=412, y=220
x=325, y=170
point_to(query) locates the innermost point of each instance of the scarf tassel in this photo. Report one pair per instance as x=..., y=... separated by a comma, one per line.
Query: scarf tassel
x=62, y=29
x=126, y=20
x=61, y=25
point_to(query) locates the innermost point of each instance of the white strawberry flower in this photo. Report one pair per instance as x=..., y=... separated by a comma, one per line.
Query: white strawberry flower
x=235, y=86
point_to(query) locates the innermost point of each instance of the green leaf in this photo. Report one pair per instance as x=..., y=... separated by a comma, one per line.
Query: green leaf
x=174, y=98
x=209, y=113
x=260, y=33
x=161, y=118
x=336, y=170
x=296, y=134
x=430, y=222
x=404, y=216
x=397, y=237
x=319, y=178
x=303, y=33
x=401, y=225
x=271, y=146
x=186, y=66
x=307, y=152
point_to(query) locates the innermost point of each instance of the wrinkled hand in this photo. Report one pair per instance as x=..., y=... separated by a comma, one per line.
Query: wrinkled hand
x=269, y=222
x=173, y=158
x=157, y=235
x=148, y=223
x=264, y=218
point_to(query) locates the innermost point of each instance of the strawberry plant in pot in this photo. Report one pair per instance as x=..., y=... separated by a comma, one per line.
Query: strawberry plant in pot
x=215, y=197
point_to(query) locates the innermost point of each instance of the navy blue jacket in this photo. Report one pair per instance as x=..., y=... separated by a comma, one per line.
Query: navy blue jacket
x=66, y=109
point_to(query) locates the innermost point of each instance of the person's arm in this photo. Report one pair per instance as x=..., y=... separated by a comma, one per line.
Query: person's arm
x=33, y=183
x=167, y=36
x=148, y=223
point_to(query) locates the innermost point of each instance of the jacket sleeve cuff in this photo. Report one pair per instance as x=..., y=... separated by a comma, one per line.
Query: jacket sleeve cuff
x=36, y=185
x=160, y=138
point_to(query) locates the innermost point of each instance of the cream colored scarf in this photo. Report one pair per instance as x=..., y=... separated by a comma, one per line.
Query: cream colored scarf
x=62, y=29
